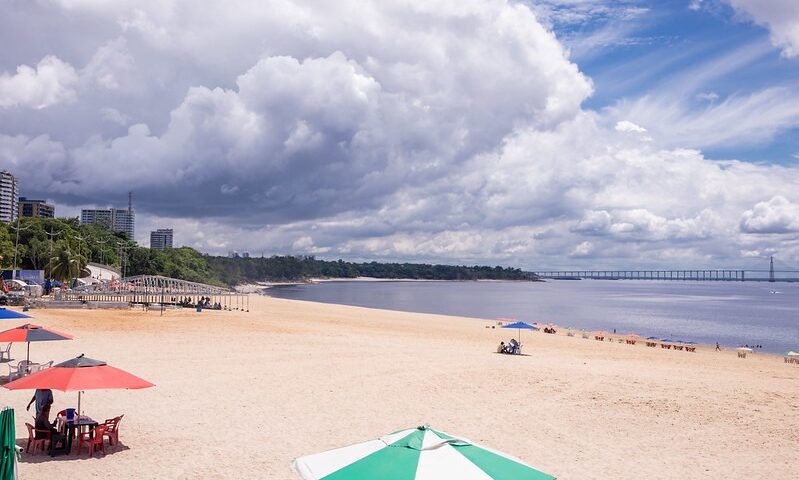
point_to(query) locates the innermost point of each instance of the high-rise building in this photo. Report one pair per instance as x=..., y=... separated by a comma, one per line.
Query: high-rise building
x=8, y=197
x=102, y=218
x=161, y=239
x=35, y=208
x=116, y=219
x=123, y=221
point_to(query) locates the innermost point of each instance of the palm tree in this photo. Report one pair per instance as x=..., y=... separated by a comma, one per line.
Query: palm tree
x=66, y=264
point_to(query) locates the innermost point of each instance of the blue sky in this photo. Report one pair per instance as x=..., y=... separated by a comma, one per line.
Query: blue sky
x=640, y=48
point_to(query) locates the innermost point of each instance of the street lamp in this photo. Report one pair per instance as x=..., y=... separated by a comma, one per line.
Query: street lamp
x=51, y=235
x=16, y=247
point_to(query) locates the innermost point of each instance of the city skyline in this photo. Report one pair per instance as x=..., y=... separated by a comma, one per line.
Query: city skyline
x=548, y=134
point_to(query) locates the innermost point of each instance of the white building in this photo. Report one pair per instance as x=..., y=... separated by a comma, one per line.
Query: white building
x=9, y=193
x=161, y=239
x=116, y=219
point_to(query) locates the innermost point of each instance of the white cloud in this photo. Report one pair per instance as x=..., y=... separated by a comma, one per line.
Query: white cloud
x=627, y=126
x=584, y=249
x=737, y=120
x=781, y=17
x=114, y=116
x=110, y=67
x=431, y=131
x=50, y=82
x=777, y=215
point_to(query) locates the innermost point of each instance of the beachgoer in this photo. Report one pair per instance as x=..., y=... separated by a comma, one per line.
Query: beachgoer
x=501, y=347
x=43, y=398
x=718, y=348
x=43, y=425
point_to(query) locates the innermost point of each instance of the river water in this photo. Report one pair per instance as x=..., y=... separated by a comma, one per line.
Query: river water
x=731, y=313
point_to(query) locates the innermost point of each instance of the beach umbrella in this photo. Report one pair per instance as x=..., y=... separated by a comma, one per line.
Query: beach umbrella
x=8, y=445
x=652, y=338
x=32, y=333
x=415, y=454
x=6, y=314
x=792, y=354
x=520, y=326
x=78, y=374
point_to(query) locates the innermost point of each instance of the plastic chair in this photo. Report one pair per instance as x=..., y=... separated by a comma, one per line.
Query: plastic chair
x=95, y=442
x=112, y=429
x=35, y=442
x=13, y=372
x=6, y=353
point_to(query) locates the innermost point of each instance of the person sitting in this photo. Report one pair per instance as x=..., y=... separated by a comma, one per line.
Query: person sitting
x=43, y=425
x=501, y=347
x=514, y=346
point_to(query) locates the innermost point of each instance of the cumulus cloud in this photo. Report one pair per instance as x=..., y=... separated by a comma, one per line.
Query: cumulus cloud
x=389, y=130
x=777, y=215
x=51, y=82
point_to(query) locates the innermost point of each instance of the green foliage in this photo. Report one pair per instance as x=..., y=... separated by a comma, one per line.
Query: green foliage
x=283, y=268
x=73, y=245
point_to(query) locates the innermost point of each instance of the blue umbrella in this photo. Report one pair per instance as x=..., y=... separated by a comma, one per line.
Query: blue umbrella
x=6, y=314
x=519, y=326
x=652, y=338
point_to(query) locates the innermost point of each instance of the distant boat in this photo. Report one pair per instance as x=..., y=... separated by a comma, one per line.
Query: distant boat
x=774, y=292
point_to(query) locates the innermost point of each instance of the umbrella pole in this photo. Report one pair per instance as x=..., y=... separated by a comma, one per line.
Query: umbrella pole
x=29, y=352
x=79, y=392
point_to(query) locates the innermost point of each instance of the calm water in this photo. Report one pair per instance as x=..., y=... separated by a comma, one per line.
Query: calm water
x=732, y=313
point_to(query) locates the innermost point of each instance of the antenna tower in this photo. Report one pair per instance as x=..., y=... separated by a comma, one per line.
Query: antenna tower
x=771, y=270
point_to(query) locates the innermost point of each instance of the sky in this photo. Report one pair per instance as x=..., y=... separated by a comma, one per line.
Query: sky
x=536, y=134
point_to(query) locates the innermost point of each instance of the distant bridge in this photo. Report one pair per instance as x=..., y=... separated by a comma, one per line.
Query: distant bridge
x=682, y=275
x=715, y=275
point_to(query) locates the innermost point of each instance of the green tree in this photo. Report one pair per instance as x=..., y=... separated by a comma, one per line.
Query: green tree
x=66, y=263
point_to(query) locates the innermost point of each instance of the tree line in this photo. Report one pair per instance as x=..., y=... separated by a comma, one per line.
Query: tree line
x=63, y=247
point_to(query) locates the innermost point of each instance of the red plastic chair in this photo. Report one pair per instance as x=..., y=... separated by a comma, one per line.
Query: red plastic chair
x=36, y=442
x=112, y=429
x=94, y=443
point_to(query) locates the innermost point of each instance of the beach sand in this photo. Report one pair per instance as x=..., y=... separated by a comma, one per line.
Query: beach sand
x=240, y=394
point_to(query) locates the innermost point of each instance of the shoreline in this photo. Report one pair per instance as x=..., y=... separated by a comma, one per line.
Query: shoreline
x=561, y=330
x=259, y=286
x=705, y=340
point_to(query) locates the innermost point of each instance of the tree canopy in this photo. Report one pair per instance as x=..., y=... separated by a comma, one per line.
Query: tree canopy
x=62, y=247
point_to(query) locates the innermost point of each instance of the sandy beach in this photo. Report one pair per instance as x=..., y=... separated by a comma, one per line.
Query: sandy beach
x=240, y=394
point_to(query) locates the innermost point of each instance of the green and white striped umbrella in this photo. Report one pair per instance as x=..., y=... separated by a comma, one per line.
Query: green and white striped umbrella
x=415, y=454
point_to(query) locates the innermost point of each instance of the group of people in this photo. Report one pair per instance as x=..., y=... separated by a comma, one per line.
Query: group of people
x=44, y=428
x=512, y=347
x=203, y=302
x=550, y=330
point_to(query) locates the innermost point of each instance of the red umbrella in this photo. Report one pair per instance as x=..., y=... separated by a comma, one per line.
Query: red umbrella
x=80, y=374
x=32, y=333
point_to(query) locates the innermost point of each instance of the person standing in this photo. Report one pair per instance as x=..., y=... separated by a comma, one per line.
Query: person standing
x=718, y=348
x=43, y=398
